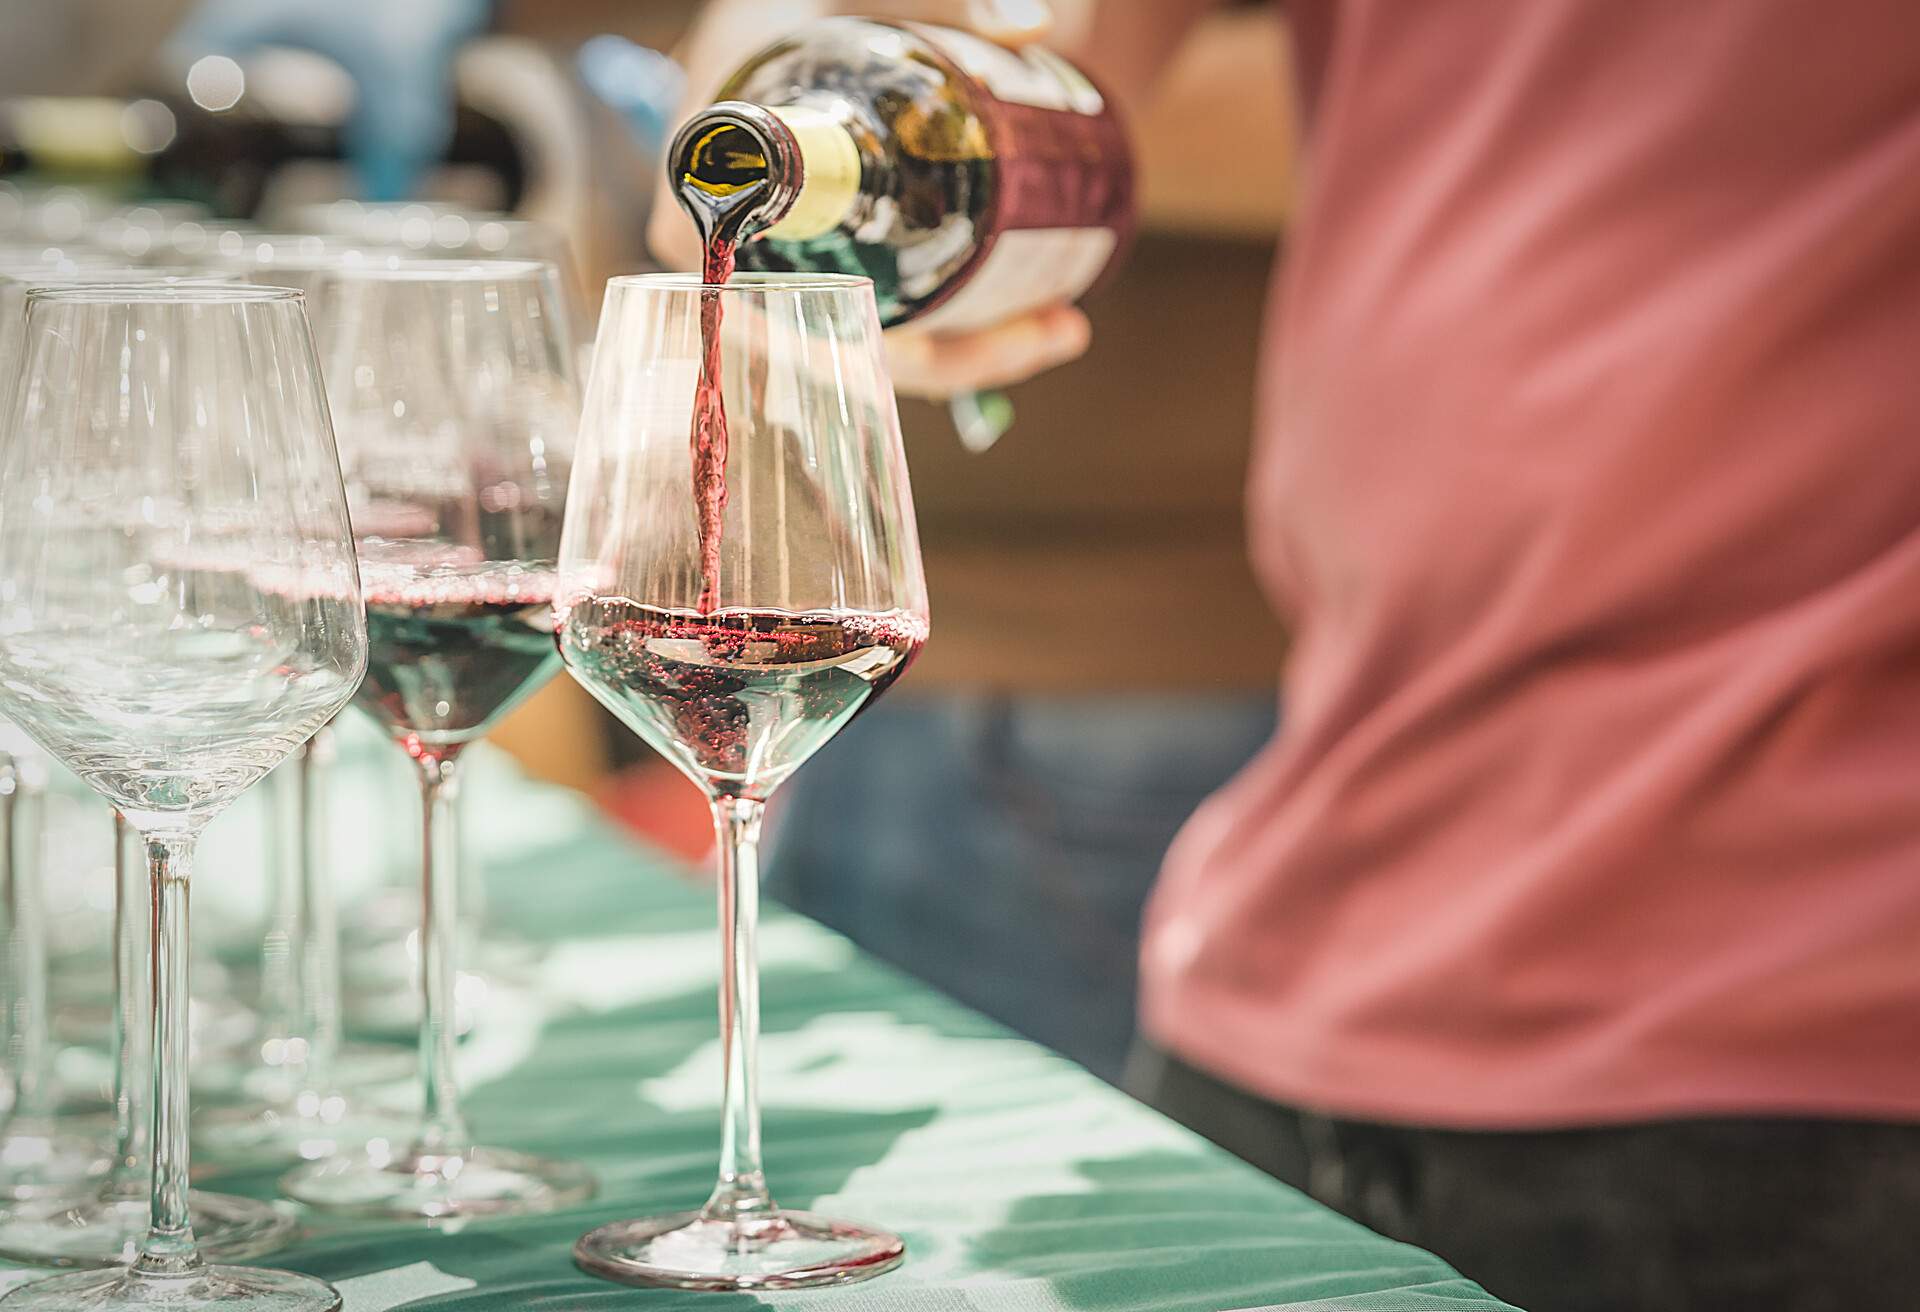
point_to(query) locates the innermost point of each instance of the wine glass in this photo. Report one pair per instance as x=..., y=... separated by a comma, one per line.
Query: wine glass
x=735, y=608
x=38, y=1157
x=65, y=1221
x=182, y=610
x=453, y=389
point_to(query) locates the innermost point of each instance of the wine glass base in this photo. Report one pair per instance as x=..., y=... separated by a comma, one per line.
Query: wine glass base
x=209, y=1289
x=264, y=1136
x=782, y=1250
x=432, y=1186
x=36, y=1162
x=94, y=1231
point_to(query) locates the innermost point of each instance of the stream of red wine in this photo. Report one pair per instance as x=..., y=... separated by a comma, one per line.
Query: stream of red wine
x=447, y=653
x=709, y=437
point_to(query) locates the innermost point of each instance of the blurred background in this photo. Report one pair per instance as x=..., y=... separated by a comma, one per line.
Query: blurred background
x=166, y=129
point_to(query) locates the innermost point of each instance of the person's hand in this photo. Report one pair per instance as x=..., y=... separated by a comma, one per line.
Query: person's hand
x=923, y=362
x=939, y=365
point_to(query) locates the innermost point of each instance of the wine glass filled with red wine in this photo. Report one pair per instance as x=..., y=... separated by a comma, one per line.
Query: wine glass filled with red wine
x=740, y=576
x=453, y=396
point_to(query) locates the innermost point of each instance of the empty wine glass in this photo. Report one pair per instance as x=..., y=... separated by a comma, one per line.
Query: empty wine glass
x=735, y=608
x=62, y=1221
x=179, y=609
x=453, y=388
x=39, y=1157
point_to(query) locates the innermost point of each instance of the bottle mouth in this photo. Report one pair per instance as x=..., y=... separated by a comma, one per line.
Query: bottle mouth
x=733, y=163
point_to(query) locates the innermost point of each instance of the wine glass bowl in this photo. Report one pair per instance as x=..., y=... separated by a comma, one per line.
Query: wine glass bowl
x=266, y=650
x=737, y=699
x=457, y=402
x=735, y=607
x=182, y=610
x=217, y=700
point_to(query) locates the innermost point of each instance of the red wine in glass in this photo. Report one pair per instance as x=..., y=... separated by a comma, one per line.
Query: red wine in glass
x=739, y=697
x=448, y=652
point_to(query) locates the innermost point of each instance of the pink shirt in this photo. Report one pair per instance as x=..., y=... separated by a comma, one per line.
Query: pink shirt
x=1590, y=479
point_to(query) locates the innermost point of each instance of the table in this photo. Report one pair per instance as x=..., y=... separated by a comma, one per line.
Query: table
x=1020, y=1182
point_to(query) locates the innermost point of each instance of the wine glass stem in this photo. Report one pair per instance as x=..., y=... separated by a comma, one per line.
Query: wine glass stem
x=169, y=1248
x=132, y=1005
x=22, y=808
x=279, y=956
x=742, y=1189
x=443, y=1131
x=317, y=947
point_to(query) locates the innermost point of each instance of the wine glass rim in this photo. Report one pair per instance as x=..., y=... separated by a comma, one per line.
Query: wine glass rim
x=185, y=292
x=406, y=268
x=754, y=282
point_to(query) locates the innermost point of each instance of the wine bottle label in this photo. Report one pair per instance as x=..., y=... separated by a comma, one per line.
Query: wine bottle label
x=1026, y=269
x=994, y=182
x=831, y=182
x=1020, y=77
x=1063, y=189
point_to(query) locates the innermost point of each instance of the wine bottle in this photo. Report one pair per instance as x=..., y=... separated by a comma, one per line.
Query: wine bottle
x=969, y=181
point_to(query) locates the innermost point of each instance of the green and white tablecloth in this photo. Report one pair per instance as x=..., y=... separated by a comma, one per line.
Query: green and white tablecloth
x=1021, y=1183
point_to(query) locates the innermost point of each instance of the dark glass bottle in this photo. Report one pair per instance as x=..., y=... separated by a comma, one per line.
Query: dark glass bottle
x=969, y=181
x=224, y=159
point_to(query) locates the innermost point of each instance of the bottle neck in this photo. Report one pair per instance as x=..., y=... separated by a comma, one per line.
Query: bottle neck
x=740, y=170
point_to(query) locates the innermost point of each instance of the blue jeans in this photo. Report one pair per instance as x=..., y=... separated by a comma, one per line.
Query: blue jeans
x=1001, y=848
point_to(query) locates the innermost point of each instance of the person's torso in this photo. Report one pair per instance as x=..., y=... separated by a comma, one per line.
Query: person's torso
x=1588, y=479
